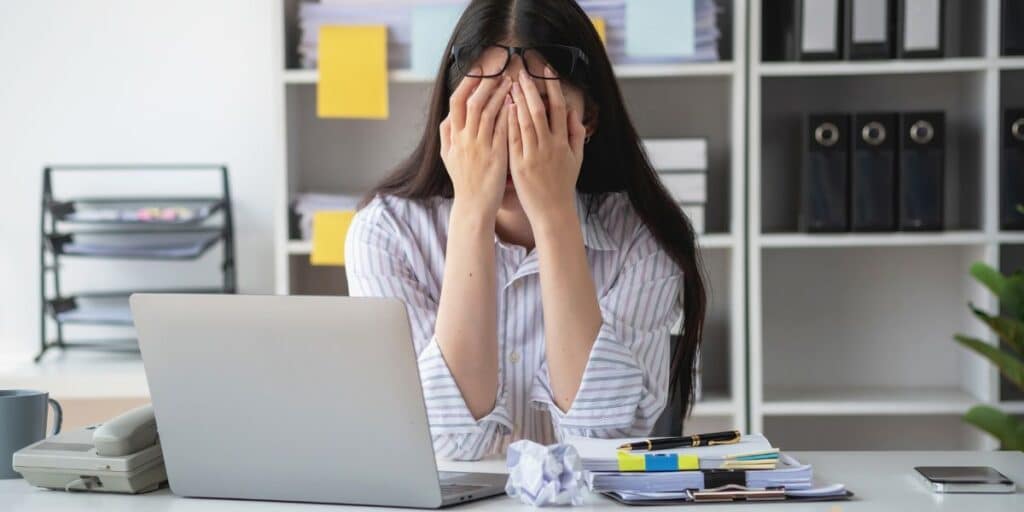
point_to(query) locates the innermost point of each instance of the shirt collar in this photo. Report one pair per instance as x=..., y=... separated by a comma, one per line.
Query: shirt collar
x=595, y=235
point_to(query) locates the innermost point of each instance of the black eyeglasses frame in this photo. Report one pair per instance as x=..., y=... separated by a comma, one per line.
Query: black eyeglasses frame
x=577, y=56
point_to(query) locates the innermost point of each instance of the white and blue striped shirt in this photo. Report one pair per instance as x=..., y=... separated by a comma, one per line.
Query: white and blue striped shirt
x=396, y=248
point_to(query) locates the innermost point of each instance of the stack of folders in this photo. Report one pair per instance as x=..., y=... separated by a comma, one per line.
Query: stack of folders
x=752, y=466
x=682, y=166
x=657, y=31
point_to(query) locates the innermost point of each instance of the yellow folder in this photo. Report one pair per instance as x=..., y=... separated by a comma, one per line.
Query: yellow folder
x=329, y=230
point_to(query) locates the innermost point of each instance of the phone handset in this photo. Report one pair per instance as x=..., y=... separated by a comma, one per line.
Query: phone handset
x=126, y=434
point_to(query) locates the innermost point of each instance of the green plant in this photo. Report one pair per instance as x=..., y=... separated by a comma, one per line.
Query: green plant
x=1009, y=326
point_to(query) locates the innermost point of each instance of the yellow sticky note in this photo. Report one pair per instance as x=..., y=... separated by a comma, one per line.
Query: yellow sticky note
x=353, y=62
x=329, y=230
x=630, y=461
x=688, y=462
x=602, y=31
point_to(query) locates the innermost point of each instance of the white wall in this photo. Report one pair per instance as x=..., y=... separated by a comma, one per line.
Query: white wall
x=132, y=81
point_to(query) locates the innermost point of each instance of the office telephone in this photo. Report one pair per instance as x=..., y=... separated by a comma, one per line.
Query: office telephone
x=122, y=455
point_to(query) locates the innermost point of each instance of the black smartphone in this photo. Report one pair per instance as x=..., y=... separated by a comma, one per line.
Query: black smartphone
x=949, y=479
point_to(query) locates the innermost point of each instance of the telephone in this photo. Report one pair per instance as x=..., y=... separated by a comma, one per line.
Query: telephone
x=122, y=455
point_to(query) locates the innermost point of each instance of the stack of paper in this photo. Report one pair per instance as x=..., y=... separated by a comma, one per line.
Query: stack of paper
x=657, y=31
x=308, y=205
x=399, y=16
x=753, y=463
x=682, y=166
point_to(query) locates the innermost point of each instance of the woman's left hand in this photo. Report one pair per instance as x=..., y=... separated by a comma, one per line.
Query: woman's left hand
x=544, y=156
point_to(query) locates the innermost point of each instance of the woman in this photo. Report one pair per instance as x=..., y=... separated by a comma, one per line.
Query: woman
x=542, y=263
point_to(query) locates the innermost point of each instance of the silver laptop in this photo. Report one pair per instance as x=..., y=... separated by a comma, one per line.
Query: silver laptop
x=313, y=399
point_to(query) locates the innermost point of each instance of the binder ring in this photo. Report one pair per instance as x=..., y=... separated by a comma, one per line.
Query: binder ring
x=873, y=133
x=827, y=134
x=922, y=132
x=1017, y=129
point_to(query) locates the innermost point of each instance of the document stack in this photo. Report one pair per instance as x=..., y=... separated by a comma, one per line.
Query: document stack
x=657, y=31
x=749, y=469
x=682, y=166
x=306, y=206
x=398, y=15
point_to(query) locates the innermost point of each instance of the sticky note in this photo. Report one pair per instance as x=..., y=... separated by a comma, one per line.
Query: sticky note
x=660, y=28
x=630, y=461
x=329, y=230
x=432, y=26
x=601, y=27
x=353, y=62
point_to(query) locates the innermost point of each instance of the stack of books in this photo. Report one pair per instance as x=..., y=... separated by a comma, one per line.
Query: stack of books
x=750, y=465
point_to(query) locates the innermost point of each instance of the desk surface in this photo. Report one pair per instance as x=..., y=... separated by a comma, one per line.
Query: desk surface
x=883, y=481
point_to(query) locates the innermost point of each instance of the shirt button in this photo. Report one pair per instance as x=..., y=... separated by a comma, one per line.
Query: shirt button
x=514, y=357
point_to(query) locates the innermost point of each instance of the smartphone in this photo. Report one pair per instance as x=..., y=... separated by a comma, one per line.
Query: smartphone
x=949, y=479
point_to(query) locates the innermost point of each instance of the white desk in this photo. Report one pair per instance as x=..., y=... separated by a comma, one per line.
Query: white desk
x=882, y=481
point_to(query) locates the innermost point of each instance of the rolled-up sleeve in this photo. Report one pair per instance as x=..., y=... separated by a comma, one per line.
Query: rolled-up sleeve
x=376, y=266
x=625, y=383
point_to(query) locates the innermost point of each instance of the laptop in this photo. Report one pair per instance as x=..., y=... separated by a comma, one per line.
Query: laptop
x=293, y=398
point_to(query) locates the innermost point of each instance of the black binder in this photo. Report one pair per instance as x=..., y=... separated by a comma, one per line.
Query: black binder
x=873, y=173
x=778, y=33
x=819, y=25
x=870, y=29
x=1011, y=185
x=921, y=32
x=922, y=163
x=825, y=180
x=1013, y=27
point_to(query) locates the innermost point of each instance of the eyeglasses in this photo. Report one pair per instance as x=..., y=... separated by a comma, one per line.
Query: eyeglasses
x=492, y=60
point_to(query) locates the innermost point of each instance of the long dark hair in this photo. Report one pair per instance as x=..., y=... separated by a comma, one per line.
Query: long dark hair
x=613, y=160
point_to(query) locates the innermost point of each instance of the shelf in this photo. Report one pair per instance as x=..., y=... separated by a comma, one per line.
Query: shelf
x=707, y=241
x=310, y=76
x=889, y=402
x=1011, y=407
x=882, y=67
x=899, y=239
x=1011, y=63
x=1011, y=237
x=713, y=404
x=184, y=246
x=124, y=212
x=79, y=375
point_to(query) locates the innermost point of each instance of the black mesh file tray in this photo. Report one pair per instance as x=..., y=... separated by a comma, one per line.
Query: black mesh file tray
x=150, y=246
x=157, y=211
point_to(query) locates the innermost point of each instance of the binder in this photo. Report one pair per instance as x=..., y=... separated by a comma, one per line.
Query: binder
x=873, y=173
x=825, y=173
x=921, y=170
x=921, y=28
x=1013, y=27
x=819, y=29
x=1011, y=184
x=869, y=29
x=779, y=35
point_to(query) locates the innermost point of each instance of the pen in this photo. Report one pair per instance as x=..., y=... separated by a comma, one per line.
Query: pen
x=664, y=443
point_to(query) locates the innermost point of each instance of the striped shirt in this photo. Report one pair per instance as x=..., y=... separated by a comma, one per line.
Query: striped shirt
x=396, y=248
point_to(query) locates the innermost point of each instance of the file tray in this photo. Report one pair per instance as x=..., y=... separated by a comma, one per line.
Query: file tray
x=98, y=312
x=127, y=245
x=136, y=211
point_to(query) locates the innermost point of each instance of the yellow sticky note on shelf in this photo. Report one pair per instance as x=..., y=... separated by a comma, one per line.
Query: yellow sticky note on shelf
x=329, y=230
x=353, y=61
x=602, y=29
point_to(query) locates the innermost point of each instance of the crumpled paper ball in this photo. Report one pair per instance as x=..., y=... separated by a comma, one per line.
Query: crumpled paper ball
x=544, y=475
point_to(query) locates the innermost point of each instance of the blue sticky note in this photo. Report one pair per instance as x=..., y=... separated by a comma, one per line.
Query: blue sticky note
x=432, y=26
x=661, y=462
x=660, y=28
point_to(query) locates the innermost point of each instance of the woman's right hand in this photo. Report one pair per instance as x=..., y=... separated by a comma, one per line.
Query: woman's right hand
x=474, y=142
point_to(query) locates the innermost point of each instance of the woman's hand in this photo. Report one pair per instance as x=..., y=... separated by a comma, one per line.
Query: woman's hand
x=545, y=157
x=474, y=142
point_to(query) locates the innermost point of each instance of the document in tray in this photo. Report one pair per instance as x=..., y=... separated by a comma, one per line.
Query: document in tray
x=753, y=451
x=814, y=493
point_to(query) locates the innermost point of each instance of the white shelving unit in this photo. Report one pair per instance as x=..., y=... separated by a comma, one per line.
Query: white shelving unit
x=852, y=333
x=703, y=99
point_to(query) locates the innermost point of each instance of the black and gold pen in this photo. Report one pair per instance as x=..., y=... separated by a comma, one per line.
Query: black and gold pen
x=664, y=443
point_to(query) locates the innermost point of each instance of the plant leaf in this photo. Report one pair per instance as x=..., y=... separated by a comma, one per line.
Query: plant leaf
x=1009, y=365
x=1020, y=208
x=1006, y=428
x=1009, y=289
x=989, y=277
x=1010, y=330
